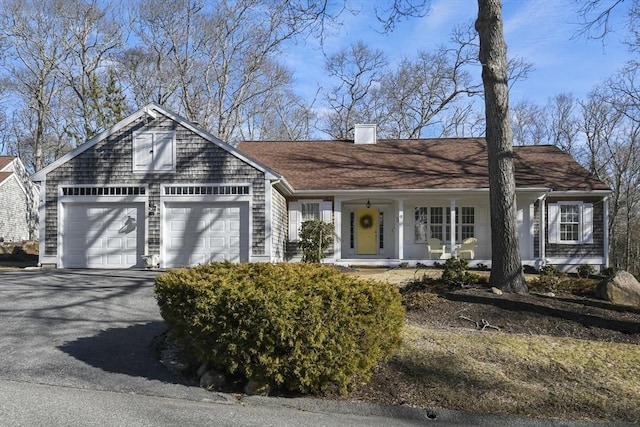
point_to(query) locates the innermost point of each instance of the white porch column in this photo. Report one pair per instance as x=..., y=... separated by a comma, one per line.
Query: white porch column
x=452, y=228
x=400, y=229
x=268, y=207
x=605, y=207
x=543, y=230
x=337, y=223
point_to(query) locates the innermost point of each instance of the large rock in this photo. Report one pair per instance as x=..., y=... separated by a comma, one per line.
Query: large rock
x=621, y=288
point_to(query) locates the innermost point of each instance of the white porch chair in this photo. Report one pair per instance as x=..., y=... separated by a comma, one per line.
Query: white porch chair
x=468, y=247
x=435, y=247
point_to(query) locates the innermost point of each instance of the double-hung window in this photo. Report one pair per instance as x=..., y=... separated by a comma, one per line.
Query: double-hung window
x=570, y=222
x=438, y=221
x=467, y=222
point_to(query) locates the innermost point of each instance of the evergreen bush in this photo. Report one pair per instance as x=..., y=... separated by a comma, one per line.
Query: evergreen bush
x=315, y=238
x=300, y=327
x=455, y=273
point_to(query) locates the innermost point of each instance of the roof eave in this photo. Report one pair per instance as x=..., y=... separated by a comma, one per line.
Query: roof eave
x=42, y=173
x=520, y=190
x=283, y=186
x=151, y=109
x=580, y=192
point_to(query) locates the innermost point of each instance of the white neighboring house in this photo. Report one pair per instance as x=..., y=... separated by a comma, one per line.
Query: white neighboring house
x=18, y=202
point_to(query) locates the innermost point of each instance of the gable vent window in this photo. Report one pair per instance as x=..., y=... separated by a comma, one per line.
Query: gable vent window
x=233, y=190
x=103, y=191
x=154, y=151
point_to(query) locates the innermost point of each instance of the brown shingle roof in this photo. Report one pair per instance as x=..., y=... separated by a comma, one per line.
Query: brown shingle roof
x=414, y=164
x=5, y=160
x=4, y=175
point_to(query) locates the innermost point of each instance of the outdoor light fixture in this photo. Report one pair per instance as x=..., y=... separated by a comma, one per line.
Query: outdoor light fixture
x=368, y=204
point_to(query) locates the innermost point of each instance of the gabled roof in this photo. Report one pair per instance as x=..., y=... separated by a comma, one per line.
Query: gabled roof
x=152, y=110
x=455, y=163
x=5, y=160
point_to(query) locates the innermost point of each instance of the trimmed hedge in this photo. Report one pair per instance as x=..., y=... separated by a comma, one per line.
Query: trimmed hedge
x=301, y=327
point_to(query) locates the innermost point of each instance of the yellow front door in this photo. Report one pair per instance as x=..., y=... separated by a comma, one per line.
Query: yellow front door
x=367, y=231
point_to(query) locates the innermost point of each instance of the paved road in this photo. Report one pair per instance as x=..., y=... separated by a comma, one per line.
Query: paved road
x=75, y=351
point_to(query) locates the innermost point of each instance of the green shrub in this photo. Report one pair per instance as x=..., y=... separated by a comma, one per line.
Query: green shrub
x=315, y=239
x=549, y=279
x=455, y=273
x=300, y=327
x=585, y=270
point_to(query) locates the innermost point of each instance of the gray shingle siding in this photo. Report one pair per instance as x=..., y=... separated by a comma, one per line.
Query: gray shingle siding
x=110, y=162
x=585, y=250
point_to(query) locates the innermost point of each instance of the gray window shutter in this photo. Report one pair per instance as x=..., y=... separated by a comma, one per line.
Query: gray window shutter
x=553, y=219
x=587, y=223
x=294, y=220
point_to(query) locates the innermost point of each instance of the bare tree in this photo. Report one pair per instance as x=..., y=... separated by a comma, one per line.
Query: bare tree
x=596, y=17
x=506, y=268
x=35, y=39
x=555, y=123
x=216, y=62
x=144, y=75
x=419, y=91
x=285, y=117
x=93, y=38
x=171, y=38
x=612, y=131
x=357, y=69
x=528, y=123
x=462, y=120
x=563, y=122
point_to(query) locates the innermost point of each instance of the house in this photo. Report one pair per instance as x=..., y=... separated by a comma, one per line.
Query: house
x=18, y=202
x=156, y=186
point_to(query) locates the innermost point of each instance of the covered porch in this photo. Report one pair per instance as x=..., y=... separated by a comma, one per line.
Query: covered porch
x=428, y=228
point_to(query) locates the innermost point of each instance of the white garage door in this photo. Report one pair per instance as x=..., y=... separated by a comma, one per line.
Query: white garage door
x=103, y=235
x=198, y=233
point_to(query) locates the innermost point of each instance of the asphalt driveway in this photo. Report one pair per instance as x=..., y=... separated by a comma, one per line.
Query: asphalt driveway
x=75, y=350
x=85, y=329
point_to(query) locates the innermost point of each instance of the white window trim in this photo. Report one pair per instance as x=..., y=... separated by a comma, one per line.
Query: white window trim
x=585, y=225
x=446, y=222
x=295, y=215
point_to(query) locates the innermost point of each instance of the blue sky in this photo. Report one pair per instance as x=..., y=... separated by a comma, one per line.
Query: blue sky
x=541, y=31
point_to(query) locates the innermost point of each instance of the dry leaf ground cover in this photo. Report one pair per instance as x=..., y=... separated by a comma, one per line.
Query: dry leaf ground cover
x=563, y=356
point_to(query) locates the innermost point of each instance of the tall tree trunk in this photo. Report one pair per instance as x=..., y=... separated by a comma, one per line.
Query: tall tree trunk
x=506, y=264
